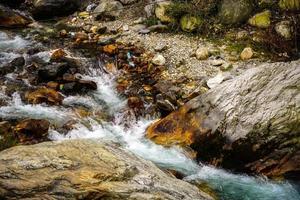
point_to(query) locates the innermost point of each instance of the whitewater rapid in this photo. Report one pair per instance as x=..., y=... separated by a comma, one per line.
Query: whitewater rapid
x=129, y=132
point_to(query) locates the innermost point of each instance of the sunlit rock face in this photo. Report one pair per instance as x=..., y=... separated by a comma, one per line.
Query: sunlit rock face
x=249, y=123
x=78, y=169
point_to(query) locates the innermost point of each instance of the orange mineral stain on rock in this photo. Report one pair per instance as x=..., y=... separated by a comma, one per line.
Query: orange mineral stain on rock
x=44, y=95
x=179, y=128
x=110, y=49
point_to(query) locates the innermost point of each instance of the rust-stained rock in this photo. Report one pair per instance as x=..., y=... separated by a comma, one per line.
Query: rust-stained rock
x=44, y=95
x=251, y=122
x=58, y=54
x=181, y=128
x=111, y=68
x=32, y=129
x=110, y=49
x=11, y=19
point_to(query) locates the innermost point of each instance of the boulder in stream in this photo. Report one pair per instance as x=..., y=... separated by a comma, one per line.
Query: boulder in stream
x=86, y=169
x=249, y=123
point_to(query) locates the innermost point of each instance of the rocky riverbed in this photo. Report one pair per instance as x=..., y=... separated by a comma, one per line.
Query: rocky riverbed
x=149, y=100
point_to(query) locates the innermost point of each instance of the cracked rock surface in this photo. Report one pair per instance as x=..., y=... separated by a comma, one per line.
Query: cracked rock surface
x=85, y=169
x=249, y=123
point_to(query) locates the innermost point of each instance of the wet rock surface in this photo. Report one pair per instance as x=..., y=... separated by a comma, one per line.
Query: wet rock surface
x=249, y=123
x=13, y=19
x=86, y=169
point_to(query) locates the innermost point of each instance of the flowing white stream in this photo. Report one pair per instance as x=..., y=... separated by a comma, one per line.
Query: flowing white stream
x=129, y=132
x=131, y=136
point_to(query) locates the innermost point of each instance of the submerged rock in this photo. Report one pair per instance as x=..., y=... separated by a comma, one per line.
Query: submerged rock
x=86, y=169
x=250, y=123
x=12, y=19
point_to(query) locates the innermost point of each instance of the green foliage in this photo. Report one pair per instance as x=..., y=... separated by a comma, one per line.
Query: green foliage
x=151, y=21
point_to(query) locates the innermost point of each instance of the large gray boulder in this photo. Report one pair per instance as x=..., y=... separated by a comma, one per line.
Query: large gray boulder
x=85, y=169
x=249, y=123
x=235, y=11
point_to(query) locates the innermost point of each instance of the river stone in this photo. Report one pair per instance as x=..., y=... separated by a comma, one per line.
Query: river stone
x=261, y=20
x=108, y=8
x=249, y=123
x=202, y=53
x=247, y=53
x=12, y=19
x=51, y=8
x=159, y=60
x=235, y=11
x=284, y=29
x=86, y=169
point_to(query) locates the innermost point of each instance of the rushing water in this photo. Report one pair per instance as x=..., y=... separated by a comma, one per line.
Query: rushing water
x=125, y=129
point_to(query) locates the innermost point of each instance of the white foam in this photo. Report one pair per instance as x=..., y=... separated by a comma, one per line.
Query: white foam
x=18, y=110
x=15, y=43
x=84, y=101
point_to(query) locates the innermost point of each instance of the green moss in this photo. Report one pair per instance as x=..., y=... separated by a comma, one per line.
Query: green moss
x=151, y=21
x=289, y=4
x=261, y=20
x=190, y=23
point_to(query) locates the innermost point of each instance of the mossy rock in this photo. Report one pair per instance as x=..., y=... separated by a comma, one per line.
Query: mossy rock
x=235, y=11
x=261, y=20
x=266, y=3
x=190, y=23
x=161, y=12
x=289, y=4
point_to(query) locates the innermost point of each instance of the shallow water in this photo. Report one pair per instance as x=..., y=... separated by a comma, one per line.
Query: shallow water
x=125, y=129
